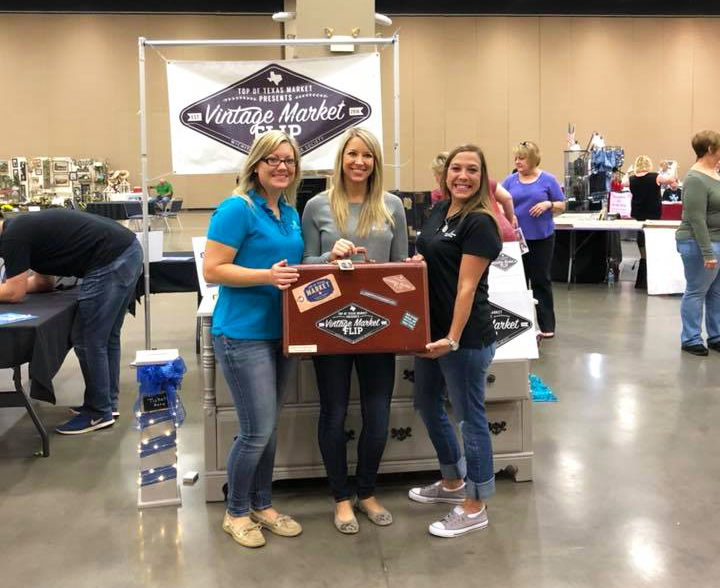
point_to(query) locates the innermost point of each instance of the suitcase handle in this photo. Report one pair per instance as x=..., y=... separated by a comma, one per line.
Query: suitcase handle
x=346, y=264
x=363, y=251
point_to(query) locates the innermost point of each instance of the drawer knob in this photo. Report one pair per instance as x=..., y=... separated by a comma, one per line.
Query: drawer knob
x=497, y=428
x=491, y=379
x=409, y=375
x=350, y=435
x=401, y=433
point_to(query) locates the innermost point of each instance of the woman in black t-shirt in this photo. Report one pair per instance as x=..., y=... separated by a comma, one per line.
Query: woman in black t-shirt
x=646, y=203
x=459, y=241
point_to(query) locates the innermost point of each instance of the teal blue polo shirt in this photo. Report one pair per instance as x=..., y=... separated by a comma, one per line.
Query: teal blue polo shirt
x=261, y=240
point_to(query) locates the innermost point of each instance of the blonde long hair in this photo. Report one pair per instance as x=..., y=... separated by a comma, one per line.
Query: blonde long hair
x=373, y=213
x=480, y=201
x=262, y=146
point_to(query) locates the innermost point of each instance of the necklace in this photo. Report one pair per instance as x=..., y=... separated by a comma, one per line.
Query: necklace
x=448, y=217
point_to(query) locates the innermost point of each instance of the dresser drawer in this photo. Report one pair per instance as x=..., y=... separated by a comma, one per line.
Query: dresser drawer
x=407, y=437
x=507, y=379
x=505, y=424
x=223, y=397
x=297, y=444
x=404, y=376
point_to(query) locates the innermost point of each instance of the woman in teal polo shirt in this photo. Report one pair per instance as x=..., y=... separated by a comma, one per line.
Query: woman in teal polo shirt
x=253, y=239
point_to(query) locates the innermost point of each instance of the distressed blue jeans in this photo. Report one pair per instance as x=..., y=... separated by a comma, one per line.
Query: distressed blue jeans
x=257, y=376
x=104, y=297
x=463, y=372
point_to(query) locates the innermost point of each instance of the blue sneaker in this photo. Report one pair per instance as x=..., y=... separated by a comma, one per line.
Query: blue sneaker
x=78, y=409
x=84, y=423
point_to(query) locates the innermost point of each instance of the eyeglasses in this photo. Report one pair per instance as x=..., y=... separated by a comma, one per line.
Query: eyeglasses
x=273, y=161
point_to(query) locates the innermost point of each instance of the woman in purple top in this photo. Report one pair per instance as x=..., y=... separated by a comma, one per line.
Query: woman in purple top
x=537, y=197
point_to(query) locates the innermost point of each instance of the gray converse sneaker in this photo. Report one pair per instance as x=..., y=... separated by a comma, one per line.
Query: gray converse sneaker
x=457, y=523
x=437, y=493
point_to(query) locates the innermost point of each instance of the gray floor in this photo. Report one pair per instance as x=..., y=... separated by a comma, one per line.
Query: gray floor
x=626, y=475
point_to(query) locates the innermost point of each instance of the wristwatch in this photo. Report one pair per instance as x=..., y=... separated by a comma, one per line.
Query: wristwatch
x=454, y=345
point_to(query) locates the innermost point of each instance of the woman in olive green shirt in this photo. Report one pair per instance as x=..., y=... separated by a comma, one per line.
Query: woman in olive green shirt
x=698, y=242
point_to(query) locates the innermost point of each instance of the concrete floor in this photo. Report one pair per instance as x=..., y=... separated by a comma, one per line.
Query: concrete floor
x=624, y=495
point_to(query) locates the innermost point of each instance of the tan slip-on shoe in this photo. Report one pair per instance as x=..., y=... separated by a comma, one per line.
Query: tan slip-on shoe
x=247, y=535
x=283, y=525
x=347, y=527
x=381, y=518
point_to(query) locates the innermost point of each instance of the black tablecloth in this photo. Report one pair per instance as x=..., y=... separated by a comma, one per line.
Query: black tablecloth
x=113, y=210
x=592, y=250
x=118, y=210
x=171, y=276
x=42, y=342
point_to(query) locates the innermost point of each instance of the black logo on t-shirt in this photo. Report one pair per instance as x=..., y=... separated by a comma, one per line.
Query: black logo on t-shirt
x=275, y=98
x=507, y=324
x=504, y=261
x=352, y=323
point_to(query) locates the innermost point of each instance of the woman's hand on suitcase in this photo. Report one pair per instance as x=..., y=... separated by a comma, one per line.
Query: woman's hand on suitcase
x=436, y=349
x=342, y=248
x=282, y=276
x=416, y=257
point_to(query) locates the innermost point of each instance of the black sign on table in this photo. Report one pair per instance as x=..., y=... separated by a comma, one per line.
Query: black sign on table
x=155, y=402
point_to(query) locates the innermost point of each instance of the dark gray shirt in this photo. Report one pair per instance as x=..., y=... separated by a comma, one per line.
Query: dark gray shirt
x=700, y=211
x=320, y=233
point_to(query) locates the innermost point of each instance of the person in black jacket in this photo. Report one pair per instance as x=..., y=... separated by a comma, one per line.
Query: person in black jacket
x=108, y=258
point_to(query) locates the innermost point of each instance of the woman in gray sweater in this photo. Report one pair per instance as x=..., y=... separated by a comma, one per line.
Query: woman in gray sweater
x=353, y=213
x=698, y=242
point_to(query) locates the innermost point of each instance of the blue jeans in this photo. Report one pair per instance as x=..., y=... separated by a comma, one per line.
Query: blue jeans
x=464, y=373
x=104, y=297
x=257, y=375
x=157, y=204
x=703, y=287
x=376, y=376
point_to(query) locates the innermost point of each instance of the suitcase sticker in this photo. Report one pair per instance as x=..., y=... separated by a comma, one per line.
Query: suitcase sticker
x=352, y=323
x=399, y=283
x=315, y=293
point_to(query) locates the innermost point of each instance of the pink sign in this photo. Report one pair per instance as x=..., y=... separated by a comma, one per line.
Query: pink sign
x=620, y=203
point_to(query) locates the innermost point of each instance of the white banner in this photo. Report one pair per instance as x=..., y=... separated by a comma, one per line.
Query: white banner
x=506, y=272
x=217, y=108
x=513, y=314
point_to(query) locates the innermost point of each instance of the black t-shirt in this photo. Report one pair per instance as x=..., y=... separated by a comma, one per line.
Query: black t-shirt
x=646, y=201
x=61, y=242
x=443, y=245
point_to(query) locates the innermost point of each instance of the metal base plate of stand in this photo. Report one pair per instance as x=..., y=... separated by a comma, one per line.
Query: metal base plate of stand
x=159, y=495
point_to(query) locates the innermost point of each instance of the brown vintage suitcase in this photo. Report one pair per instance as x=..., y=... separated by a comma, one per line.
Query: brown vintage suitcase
x=371, y=308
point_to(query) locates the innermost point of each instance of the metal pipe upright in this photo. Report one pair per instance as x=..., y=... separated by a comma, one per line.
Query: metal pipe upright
x=396, y=111
x=144, y=177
